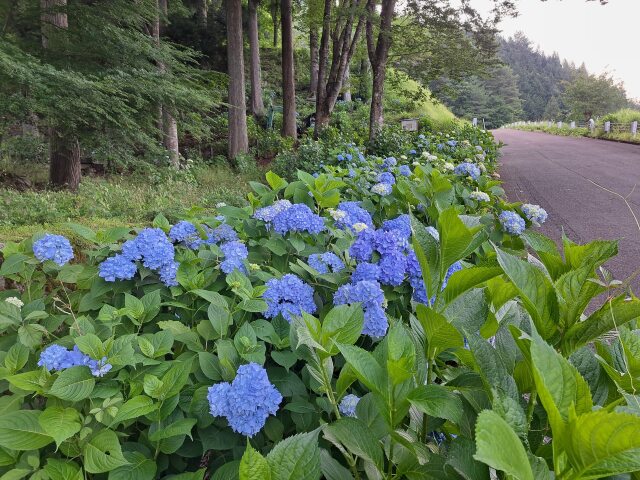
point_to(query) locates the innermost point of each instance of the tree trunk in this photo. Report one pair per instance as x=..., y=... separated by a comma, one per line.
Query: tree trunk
x=288, y=76
x=238, y=140
x=257, y=104
x=168, y=121
x=64, y=158
x=202, y=13
x=313, y=54
x=378, y=57
x=276, y=23
x=64, y=149
x=346, y=95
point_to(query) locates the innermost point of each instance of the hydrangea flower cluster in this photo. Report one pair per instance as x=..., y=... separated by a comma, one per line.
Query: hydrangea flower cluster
x=326, y=262
x=222, y=233
x=389, y=162
x=382, y=189
x=467, y=169
x=15, y=301
x=401, y=224
x=452, y=143
x=405, y=170
x=53, y=247
x=56, y=358
x=348, y=404
x=352, y=213
x=479, y=196
x=247, y=401
x=153, y=248
x=512, y=222
x=298, y=218
x=386, y=177
x=267, y=214
x=371, y=296
x=234, y=255
x=366, y=271
x=187, y=233
x=288, y=296
x=535, y=213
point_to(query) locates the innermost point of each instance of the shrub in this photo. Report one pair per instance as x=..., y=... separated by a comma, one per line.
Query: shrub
x=344, y=333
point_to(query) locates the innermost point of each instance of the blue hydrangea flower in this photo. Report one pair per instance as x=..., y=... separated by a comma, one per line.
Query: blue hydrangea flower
x=401, y=224
x=415, y=278
x=349, y=157
x=222, y=233
x=154, y=249
x=390, y=162
x=348, y=404
x=412, y=152
x=362, y=248
x=388, y=242
x=512, y=222
x=365, y=271
x=382, y=189
x=117, y=267
x=371, y=296
x=267, y=214
x=386, y=177
x=354, y=213
x=53, y=247
x=535, y=213
x=352, y=173
x=326, y=262
x=298, y=218
x=288, y=296
x=340, y=157
x=392, y=269
x=247, y=402
x=452, y=143
x=186, y=233
x=56, y=358
x=234, y=255
x=405, y=170
x=440, y=146
x=433, y=232
x=467, y=169
x=479, y=196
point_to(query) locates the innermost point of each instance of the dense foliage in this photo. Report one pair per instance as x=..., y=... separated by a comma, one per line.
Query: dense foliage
x=383, y=317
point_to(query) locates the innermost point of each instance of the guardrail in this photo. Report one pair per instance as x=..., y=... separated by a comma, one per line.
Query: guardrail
x=606, y=128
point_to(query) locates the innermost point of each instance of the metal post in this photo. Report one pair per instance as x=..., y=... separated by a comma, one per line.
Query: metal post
x=634, y=128
x=607, y=127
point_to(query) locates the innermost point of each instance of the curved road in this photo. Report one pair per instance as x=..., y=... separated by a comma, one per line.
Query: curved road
x=557, y=173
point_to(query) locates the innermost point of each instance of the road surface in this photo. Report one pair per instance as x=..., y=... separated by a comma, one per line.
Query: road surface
x=557, y=173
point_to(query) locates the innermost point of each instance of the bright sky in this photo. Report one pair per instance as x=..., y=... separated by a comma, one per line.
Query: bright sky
x=604, y=37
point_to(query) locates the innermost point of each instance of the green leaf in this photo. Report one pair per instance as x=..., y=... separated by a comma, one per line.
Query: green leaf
x=30, y=335
x=62, y=470
x=179, y=427
x=612, y=314
x=357, y=438
x=296, y=458
x=601, y=443
x=135, y=407
x=254, y=466
x=60, y=423
x=133, y=307
x=103, y=453
x=220, y=318
x=139, y=468
x=365, y=367
x=275, y=182
x=84, y=232
x=468, y=278
x=437, y=401
x=91, y=345
x=441, y=335
x=13, y=264
x=455, y=238
x=343, y=324
x=21, y=431
x=499, y=447
x=73, y=384
x=401, y=354
x=428, y=254
x=536, y=291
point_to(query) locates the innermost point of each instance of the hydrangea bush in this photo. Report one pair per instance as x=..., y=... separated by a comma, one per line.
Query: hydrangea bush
x=329, y=329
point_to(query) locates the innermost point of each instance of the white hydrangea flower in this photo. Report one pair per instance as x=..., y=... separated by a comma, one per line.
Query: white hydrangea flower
x=220, y=204
x=479, y=196
x=15, y=301
x=359, y=226
x=448, y=166
x=415, y=164
x=403, y=157
x=425, y=153
x=337, y=214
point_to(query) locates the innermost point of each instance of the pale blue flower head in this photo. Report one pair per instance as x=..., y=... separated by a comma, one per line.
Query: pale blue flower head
x=53, y=247
x=288, y=296
x=326, y=262
x=512, y=222
x=234, y=255
x=535, y=213
x=467, y=169
x=348, y=405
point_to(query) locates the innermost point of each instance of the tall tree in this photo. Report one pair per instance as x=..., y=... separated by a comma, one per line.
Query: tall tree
x=589, y=96
x=64, y=147
x=255, y=68
x=378, y=55
x=238, y=138
x=341, y=27
x=169, y=124
x=288, y=76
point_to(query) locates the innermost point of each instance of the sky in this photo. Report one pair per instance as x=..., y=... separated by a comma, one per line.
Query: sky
x=605, y=37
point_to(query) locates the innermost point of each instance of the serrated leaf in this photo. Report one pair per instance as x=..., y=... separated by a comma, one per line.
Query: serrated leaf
x=139, y=468
x=73, y=384
x=254, y=466
x=296, y=458
x=365, y=367
x=62, y=470
x=179, y=427
x=103, y=453
x=499, y=447
x=357, y=438
x=437, y=401
x=91, y=345
x=60, y=423
x=21, y=431
x=343, y=324
x=135, y=407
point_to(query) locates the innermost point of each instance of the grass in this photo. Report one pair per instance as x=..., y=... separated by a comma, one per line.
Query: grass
x=117, y=200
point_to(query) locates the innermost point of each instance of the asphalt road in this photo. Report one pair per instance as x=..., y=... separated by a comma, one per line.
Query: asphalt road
x=557, y=173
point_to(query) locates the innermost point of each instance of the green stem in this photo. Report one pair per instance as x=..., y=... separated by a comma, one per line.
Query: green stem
x=425, y=417
x=531, y=406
